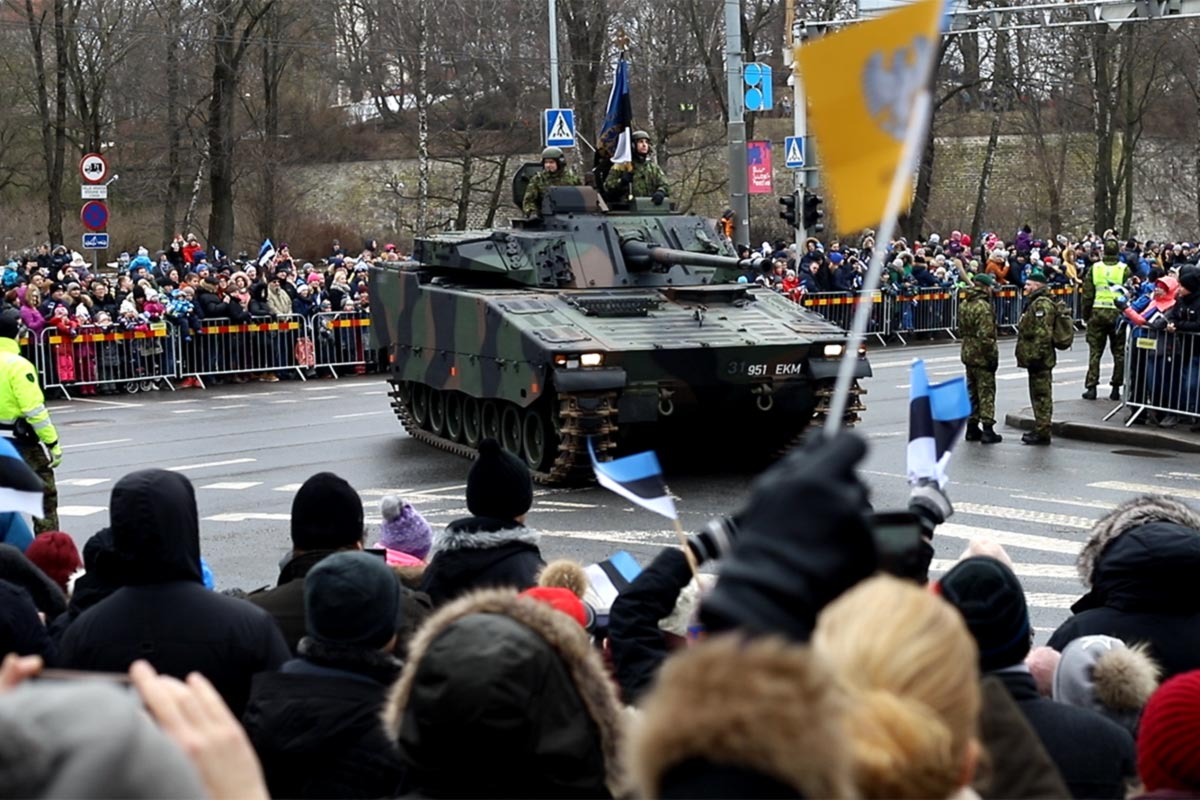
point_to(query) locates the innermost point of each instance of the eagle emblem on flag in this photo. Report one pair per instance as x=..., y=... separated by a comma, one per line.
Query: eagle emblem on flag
x=891, y=82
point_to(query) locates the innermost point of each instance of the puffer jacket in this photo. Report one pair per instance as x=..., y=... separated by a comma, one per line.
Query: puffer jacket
x=479, y=552
x=1140, y=568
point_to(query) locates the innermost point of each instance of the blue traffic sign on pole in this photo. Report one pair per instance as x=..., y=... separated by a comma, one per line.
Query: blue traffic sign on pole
x=793, y=152
x=759, y=93
x=559, y=127
x=95, y=241
x=94, y=215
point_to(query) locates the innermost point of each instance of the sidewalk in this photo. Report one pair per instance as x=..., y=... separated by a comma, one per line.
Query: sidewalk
x=1083, y=419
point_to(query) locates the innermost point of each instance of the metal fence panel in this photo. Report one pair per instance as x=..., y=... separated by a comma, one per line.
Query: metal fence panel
x=1162, y=373
x=839, y=308
x=263, y=345
x=95, y=355
x=342, y=339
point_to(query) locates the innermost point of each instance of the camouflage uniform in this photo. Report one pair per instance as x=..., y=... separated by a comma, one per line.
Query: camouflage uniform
x=1102, y=329
x=980, y=353
x=646, y=177
x=1035, y=352
x=532, y=204
x=33, y=454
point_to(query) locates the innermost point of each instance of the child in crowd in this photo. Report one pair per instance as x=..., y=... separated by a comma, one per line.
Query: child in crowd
x=404, y=533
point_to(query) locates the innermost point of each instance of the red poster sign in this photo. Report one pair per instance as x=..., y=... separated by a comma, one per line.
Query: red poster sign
x=758, y=167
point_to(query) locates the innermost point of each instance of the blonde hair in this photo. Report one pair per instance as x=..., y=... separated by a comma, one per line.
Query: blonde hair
x=910, y=664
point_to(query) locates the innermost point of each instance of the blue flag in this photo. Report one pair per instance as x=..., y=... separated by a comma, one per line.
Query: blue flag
x=266, y=253
x=937, y=415
x=638, y=478
x=613, y=141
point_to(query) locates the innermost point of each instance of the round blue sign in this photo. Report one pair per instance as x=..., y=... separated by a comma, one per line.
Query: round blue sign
x=94, y=215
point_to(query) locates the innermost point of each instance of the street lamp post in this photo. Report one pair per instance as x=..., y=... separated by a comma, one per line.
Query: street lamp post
x=553, y=14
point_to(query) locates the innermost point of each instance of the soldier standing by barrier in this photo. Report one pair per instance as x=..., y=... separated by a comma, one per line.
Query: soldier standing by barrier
x=1035, y=353
x=24, y=418
x=1101, y=314
x=981, y=357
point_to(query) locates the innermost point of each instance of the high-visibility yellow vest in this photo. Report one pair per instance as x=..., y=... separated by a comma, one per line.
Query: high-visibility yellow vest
x=20, y=395
x=1105, y=277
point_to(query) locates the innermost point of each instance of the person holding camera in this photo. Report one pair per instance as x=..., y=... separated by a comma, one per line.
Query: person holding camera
x=639, y=177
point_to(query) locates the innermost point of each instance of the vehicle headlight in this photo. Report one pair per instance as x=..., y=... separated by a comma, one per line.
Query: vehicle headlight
x=591, y=360
x=834, y=350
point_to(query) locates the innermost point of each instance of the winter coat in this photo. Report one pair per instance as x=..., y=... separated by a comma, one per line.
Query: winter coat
x=998, y=270
x=305, y=306
x=479, y=552
x=1140, y=568
x=33, y=319
x=1155, y=313
x=21, y=631
x=503, y=696
x=1094, y=755
x=1185, y=314
x=209, y=303
x=843, y=278
x=279, y=302
x=285, y=603
x=315, y=724
x=162, y=612
x=634, y=638
x=258, y=301
x=1017, y=767
x=18, y=570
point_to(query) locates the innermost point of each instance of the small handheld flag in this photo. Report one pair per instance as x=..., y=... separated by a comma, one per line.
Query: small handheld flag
x=266, y=253
x=638, y=478
x=21, y=489
x=608, y=578
x=937, y=415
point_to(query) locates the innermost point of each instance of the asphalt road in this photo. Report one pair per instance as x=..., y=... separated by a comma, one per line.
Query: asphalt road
x=248, y=448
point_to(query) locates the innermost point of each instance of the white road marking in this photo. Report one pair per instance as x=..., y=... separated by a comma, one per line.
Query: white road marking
x=360, y=414
x=564, y=504
x=1145, y=488
x=235, y=516
x=374, y=392
x=114, y=403
x=205, y=465
x=283, y=402
x=1025, y=541
x=187, y=410
x=1017, y=376
x=80, y=511
x=177, y=402
x=235, y=486
x=95, y=444
x=1067, y=571
x=326, y=397
x=82, y=481
x=1096, y=504
x=1179, y=476
x=1051, y=600
x=1025, y=515
x=906, y=362
x=887, y=435
x=235, y=405
x=288, y=487
x=324, y=388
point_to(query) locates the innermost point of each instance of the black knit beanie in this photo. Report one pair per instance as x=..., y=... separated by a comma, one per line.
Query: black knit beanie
x=992, y=602
x=498, y=484
x=1189, y=278
x=327, y=514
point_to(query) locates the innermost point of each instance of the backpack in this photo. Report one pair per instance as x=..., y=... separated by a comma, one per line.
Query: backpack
x=1063, y=335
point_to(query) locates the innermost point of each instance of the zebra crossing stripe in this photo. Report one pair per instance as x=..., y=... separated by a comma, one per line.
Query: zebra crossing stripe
x=1007, y=539
x=1145, y=488
x=1026, y=515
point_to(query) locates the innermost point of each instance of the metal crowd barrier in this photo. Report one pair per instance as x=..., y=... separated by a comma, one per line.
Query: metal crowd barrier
x=1162, y=373
x=263, y=345
x=839, y=307
x=1007, y=303
x=1072, y=298
x=96, y=355
x=926, y=311
x=342, y=339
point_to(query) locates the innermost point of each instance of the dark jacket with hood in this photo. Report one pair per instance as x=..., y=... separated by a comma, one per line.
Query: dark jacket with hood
x=18, y=570
x=1017, y=767
x=1140, y=566
x=21, y=631
x=99, y=580
x=315, y=723
x=478, y=553
x=286, y=601
x=162, y=612
x=503, y=696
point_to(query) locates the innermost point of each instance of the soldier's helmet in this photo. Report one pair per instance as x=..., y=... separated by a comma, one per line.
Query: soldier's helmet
x=555, y=153
x=639, y=135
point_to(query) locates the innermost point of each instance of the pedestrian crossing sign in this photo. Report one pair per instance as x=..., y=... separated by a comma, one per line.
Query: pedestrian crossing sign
x=559, y=127
x=793, y=151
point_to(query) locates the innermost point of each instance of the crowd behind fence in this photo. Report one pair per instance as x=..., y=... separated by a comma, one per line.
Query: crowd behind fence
x=1162, y=374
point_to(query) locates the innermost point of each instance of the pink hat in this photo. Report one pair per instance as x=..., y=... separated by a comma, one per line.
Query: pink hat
x=315, y=278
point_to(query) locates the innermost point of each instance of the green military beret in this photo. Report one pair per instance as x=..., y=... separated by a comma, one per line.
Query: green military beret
x=985, y=279
x=1038, y=276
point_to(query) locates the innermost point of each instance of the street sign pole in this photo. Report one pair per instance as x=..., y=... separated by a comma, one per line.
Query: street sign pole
x=739, y=200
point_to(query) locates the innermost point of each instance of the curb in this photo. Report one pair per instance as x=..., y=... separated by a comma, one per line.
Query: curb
x=1106, y=434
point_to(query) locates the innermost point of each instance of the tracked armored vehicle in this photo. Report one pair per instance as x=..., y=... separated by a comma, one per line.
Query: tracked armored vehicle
x=601, y=324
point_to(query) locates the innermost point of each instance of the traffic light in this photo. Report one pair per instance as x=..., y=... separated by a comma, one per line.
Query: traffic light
x=813, y=213
x=789, y=203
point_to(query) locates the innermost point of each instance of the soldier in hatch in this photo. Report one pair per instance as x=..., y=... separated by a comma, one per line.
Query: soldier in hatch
x=555, y=172
x=639, y=177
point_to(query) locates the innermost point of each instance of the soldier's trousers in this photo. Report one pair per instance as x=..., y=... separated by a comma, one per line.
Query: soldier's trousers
x=1041, y=397
x=35, y=456
x=1101, y=330
x=981, y=385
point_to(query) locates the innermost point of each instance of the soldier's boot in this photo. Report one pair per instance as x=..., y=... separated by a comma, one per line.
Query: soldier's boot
x=1115, y=394
x=973, y=433
x=990, y=436
x=1033, y=437
x=1090, y=394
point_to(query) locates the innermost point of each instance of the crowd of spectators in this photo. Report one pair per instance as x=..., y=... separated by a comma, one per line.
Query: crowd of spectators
x=458, y=663
x=180, y=287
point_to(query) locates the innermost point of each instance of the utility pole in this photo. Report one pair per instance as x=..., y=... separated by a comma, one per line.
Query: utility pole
x=553, y=14
x=739, y=199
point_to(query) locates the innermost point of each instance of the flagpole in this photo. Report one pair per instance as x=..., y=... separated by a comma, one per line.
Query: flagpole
x=687, y=550
x=914, y=137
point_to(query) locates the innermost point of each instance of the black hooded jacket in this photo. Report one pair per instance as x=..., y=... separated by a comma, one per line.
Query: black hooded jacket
x=1141, y=565
x=162, y=612
x=481, y=553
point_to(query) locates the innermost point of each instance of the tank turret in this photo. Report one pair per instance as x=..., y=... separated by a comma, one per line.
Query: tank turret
x=593, y=323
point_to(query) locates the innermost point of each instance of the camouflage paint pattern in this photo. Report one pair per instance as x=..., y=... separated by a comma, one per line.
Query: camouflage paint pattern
x=1102, y=330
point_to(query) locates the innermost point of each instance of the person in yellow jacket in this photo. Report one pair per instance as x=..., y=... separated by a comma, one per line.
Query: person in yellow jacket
x=25, y=420
x=1100, y=312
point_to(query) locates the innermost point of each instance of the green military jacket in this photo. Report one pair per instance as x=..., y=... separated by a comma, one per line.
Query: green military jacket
x=977, y=329
x=1035, y=332
x=536, y=190
x=646, y=178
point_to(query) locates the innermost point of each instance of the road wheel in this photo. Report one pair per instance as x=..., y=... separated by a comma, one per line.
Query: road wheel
x=534, y=439
x=404, y=392
x=454, y=416
x=437, y=411
x=510, y=429
x=420, y=404
x=491, y=420
x=472, y=411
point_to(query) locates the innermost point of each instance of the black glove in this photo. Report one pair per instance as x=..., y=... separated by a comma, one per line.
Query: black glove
x=626, y=177
x=658, y=197
x=715, y=540
x=803, y=539
x=1121, y=302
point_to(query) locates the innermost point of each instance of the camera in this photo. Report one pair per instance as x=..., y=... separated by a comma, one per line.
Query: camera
x=904, y=539
x=714, y=540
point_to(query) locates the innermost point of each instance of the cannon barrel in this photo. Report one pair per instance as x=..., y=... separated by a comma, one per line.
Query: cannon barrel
x=639, y=256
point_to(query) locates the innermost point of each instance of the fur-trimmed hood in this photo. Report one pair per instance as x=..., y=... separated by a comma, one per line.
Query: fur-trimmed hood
x=1130, y=515
x=480, y=533
x=505, y=695
x=753, y=713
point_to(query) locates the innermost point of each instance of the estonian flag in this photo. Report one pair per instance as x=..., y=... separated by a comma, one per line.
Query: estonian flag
x=612, y=145
x=608, y=579
x=638, y=478
x=21, y=490
x=937, y=416
x=266, y=253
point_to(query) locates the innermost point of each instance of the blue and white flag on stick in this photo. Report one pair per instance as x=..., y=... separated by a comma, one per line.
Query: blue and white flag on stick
x=21, y=489
x=266, y=253
x=638, y=478
x=937, y=415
